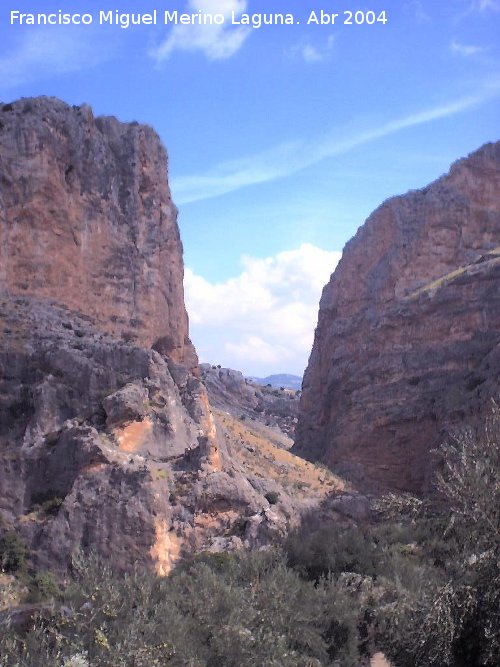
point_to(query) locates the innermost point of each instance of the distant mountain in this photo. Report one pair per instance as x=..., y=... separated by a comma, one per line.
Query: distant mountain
x=280, y=380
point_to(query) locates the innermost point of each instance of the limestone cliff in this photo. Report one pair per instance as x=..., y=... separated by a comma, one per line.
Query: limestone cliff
x=86, y=219
x=407, y=345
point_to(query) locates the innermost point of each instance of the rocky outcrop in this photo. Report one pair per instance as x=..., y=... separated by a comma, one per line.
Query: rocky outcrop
x=90, y=430
x=407, y=345
x=86, y=219
x=110, y=446
x=97, y=391
x=230, y=391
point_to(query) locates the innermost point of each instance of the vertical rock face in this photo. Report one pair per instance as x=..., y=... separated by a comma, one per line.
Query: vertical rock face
x=408, y=338
x=86, y=219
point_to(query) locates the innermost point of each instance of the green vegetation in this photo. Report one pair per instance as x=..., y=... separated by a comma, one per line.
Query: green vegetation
x=43, y=587
x=332, y=550
x=52, y=506
x=12, y=553
x=272, y=497
x=452, y=619
x=217, y=611
x=421, y=582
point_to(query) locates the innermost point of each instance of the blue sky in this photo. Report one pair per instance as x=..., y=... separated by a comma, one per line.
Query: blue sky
x=281, y=139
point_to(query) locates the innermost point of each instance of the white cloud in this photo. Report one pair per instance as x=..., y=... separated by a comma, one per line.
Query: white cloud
x=216, y=42
x=285, y=159
x=310, y=53
x=38, y=55
x=466, y=50
x=263, y=320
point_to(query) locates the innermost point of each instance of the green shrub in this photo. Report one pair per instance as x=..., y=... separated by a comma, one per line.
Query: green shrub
x=13, y=552
x=453, y=620
x=333, y=549
x=44, y=586
x=272, y=497
x=51, y=507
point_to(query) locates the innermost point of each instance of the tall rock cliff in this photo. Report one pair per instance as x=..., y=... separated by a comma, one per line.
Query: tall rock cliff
x=97, y=390
x=407, y=345
x=87, y=220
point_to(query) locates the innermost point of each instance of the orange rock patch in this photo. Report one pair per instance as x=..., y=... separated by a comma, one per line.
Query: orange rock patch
x=166, y=549
x=131, y=438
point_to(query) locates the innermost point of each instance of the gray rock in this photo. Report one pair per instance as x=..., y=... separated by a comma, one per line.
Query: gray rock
x=127, y=404
x=356, y=507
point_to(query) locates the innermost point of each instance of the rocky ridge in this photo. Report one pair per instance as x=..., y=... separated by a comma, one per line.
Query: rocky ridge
x=407, y=345
x=279, y=380
x=230, y=391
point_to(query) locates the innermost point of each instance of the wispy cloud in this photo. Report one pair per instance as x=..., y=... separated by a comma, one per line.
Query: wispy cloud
x=478, y=7
x=265, y=316
x=417, y=9
x=216, y=42
x=38, y=55
x=466, y=50
x=485, y=5
x=285, y=159
x=312, y=53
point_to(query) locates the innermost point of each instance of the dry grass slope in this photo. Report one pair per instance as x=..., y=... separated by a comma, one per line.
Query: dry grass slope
x=260, y=451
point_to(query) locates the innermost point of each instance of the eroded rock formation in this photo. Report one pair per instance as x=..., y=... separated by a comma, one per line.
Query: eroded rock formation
x=407, y=345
